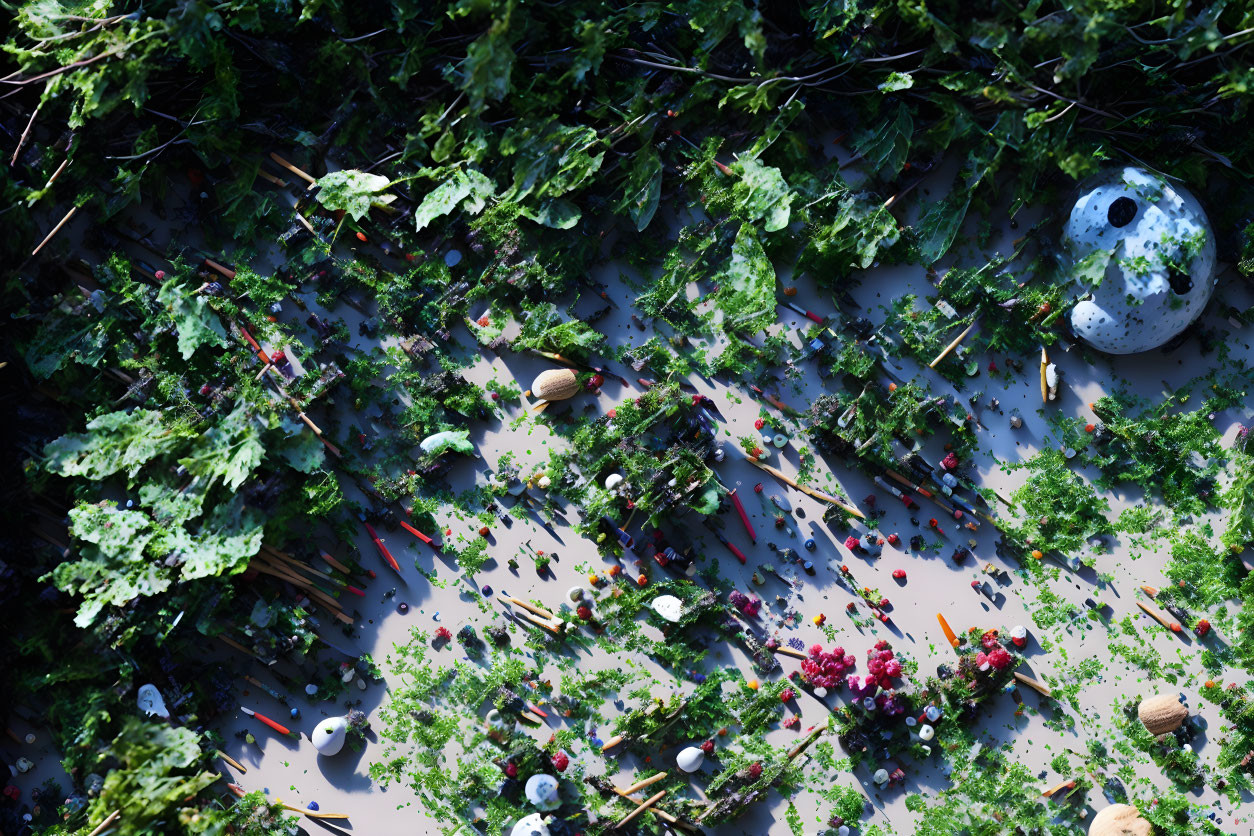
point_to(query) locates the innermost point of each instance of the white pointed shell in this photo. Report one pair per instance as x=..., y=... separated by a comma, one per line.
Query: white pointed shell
x=555, y=385
x=532, y=825
x=329, y=735
x=151, y=702
x=541, y=791
x=1135, y=307
x=690, y=759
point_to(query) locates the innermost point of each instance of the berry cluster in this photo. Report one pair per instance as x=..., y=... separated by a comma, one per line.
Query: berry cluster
x=824, y=670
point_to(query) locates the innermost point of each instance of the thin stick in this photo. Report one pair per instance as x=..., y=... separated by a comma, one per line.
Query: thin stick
x=1044, y=385
x=306, y=224
x=331, y=561
x=109, y=819
x=231, y=761
x=611, y=743
x=647, y=782
x=540, y=622
x=25, y=135
x=788, y=651
x=526, y=606
x=302, y=175
x=1149, y=590
x=1068, y=784
x=270, y=178
x=267, y=367
x=1039, y=687
x=1173, y=626
x=809, y=491
x=57, y=173
x=653, y=799
x=951, y=346
x=225, y=271
x=801, y=747
x=661, y=814
x=55, y=230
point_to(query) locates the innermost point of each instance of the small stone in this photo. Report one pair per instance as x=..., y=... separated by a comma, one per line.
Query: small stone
x=313, y=805
x=779, y=440
x=402, y=608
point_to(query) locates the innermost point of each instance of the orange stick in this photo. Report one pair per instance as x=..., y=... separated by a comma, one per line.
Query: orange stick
x=424, y=538
x=1173, y=626
x=949, y=634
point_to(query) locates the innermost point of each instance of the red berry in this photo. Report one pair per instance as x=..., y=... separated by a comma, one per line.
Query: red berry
x=759, y=424
x=410, y=257
x=755, y=770
x=561, y=761
x=484, y=322
x=496, y=396
x=708, y=747
x=893, y=539
x=583, y=612
x=1202, y=628
x=484, y=531
x=160, y=274
x=511, y=769
x=361, y=236
x=595, y=381
x=899, y=574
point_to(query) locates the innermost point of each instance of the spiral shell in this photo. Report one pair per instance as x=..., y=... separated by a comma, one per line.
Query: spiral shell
x=555, y=385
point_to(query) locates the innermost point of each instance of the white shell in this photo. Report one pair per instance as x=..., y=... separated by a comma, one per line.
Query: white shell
x=541, y=791
x=151, y=702
x=533, y=825
x=1136, y=307
x=544, y=482
x=1051, y=375
x=329, y=735
x=880, y=777
x=669, y=607
x=690, y=759
x=613, y=480
x=926, y=732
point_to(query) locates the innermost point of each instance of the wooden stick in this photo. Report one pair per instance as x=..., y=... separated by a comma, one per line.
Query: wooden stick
x=306, y=224
x=951, y=346
x=527, y=606
x=1044, y=385
x=264, y=369
x=1037, y=686
x=808, y=491
x=653, y=799
x=231, y=761
x=25, y=135
x=225, y=271
x=647, y=782
x=540, y=622
x=611, y=743
x=1173, y=626
x=661, y=814
x=270, y=178
x=788, y=651
x=1068, y=784
x=57, y=173
x=109, y=819
x=1149, y=590
x=801, y=747
x=331, y=561
x=302, y=175
x=312, y=814
x=55, y=230
x=230, y=642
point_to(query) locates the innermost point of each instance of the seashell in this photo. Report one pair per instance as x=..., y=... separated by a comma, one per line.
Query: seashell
x=541, y=792
x=1153, y=251
x=613, y=481
x=151, y=702
x=880, y=777
x=328, y=736
x=555, y=385
x=926, y=732
x=1120, y=820
x=690, y=759
x=1162, y=714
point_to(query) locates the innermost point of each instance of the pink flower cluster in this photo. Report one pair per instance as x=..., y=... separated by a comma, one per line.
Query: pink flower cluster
x=747, y=605
x=993, y=654
x=883, y=665
x=823, y=670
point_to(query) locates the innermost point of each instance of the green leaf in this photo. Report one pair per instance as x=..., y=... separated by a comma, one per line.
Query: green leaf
x=456, y=440
x=643, y=187
x=895, y=82
x=229, y=451
x=113, y=442
x=353, y=192
x=468, y=187
x=545, y=330
x=747, y=297
x=885, y=148
x=111, y=569
x=940, y=224
x=762, y=194
x=550, y=159
x=302, y=449
x=555, y=214
x=196, y=322
x=1091, y=270
x=485, y=72
x=227, y=540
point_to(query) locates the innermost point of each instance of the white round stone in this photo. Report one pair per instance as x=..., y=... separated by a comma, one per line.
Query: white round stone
x=1158, y=252
x=541, y=791
x=690, y=759
x=532, y=825
x=926, y=733
x=669, y=607
x=613, y=481
x=328, y=736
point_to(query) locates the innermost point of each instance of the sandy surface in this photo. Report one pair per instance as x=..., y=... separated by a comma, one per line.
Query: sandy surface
x=341, y=784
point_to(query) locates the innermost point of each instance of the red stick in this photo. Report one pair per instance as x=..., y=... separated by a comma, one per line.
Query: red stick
x=383, y=550
x=257, y=348
x=744, y=518
x=739, y=554
x=424, y=538
x=263, y=718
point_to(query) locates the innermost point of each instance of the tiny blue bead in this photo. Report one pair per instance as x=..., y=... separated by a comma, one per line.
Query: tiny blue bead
x=295, y=713
x=313, y=805
x=810, y=544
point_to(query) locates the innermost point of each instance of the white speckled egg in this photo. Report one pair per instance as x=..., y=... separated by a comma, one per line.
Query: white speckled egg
x=533, y=825
x=541, y=791
x=1146, y=250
